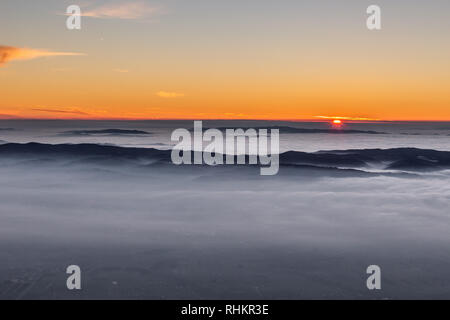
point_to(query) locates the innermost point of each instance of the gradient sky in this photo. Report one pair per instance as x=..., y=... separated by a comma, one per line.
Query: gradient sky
x=265, y=59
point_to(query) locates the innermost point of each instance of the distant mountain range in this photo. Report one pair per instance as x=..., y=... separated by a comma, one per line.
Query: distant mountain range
x=113, y=132
x=285, y=129
x=405, y=159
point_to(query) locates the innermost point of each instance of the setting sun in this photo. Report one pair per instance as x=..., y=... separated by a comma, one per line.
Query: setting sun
x=337, y=121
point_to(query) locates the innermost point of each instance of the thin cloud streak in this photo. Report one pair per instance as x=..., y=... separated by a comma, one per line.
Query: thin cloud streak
x=8, y=116
x=123, y=10
x=61, y=111
x=8, y=53
x=168, y=95
x=346, y=118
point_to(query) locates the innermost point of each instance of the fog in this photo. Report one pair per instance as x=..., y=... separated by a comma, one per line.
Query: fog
x=148, y=231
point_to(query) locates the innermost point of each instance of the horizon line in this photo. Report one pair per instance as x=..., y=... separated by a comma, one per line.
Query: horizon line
x=219, y=119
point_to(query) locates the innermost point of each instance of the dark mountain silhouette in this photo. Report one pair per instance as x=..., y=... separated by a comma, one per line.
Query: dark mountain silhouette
x=105, y=132
x=413, y=159
x=81, y=150
x=408, y=159
x=286, y=129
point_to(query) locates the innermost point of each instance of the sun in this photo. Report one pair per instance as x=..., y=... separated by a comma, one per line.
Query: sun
x=337, y=121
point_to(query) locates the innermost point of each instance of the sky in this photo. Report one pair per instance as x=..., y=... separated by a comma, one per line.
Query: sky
x=217, y=59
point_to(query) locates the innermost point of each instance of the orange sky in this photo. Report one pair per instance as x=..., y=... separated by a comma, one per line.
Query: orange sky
x=176, y=67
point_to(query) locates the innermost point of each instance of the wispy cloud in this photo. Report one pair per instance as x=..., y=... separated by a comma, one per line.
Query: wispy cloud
x=121, y=70
x=61, y=111
x=346, y=118
x=62, y=69
x=8, y=54
x=122, y=10
x=165, y=94
x=8, y=116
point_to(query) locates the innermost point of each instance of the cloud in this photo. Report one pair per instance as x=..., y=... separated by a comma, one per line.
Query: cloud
x=62, y=69
x=168, y=95
x=8, y=116
x=8, y=54
x=123, y=10
x=121, y=70
x=61, y=111
x=346, y=118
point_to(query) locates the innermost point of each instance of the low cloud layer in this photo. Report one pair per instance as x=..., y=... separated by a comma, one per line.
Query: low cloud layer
x=134, y=225
x=8, y=54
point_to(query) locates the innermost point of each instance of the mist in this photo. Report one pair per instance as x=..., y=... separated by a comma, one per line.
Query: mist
x=161, y=231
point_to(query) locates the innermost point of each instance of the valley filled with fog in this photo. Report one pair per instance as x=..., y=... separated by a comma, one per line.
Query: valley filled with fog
x=141, y=227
